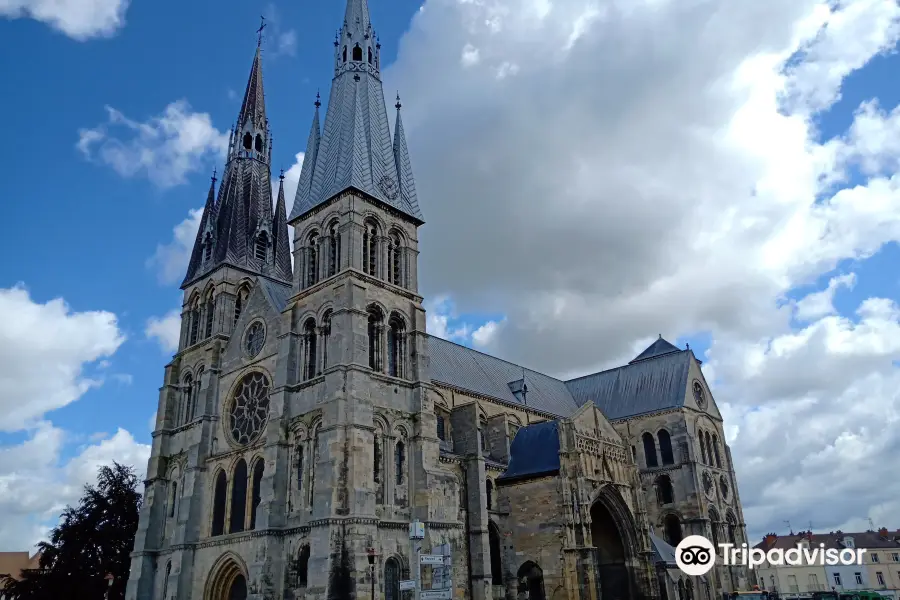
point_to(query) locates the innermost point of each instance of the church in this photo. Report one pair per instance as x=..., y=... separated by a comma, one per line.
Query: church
x=313, y=441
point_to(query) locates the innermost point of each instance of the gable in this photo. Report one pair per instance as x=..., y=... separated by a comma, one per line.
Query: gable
x=695, y=374
x=589, y=420
x=262, y=305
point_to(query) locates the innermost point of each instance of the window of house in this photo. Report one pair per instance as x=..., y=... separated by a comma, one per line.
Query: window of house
x=837, y=579
x=880, y=576
x=895, y=556
x=875, y=557
x=858, y=578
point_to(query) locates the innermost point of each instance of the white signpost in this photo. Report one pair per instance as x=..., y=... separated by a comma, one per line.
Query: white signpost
x=439, y=560
x=407, y=584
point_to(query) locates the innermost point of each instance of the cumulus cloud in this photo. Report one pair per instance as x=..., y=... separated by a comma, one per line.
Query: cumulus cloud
x=171, y=259
x=44, y=350
x=599, y=175
x=165, y=148
x=281, y=41
x=166, y=330
x=36, y=485
x=78, y=19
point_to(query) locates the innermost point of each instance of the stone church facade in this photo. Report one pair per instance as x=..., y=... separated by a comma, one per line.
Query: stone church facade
x=308, y=418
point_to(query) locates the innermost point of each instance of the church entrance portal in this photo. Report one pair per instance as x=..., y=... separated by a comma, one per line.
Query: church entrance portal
x=227, y=582
x=531, y=582
x=611, y=568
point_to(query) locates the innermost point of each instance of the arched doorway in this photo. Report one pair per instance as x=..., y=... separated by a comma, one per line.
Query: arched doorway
x=531, y=582
x=611, y=567
x=391, y=579
x=496, y=560
x=227, y=580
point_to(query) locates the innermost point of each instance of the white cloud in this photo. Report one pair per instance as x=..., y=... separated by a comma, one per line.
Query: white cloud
x=44, y=350
x=78, y=19
x=171, y=259
x=484, y=335
x=35, y=484
x=819, y=304
x=166, y=330
x=284, y=41
x=647, y=167
x=439, y=313
x=165, y=148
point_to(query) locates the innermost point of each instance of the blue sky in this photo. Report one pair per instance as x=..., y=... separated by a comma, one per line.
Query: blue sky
x=591, y=189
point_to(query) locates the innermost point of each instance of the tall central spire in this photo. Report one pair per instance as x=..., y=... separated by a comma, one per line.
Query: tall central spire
x=239, y=229
x=355, y=149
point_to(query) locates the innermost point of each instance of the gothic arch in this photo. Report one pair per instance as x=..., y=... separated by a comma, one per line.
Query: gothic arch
x=226, y=577
x=395, y=229
x=194, y=297
x=376, y=304
x=381, y=423
x=531, y=581
x=401, y=429
x=668, y=520
x=302, y=318
x=370, y=215
x=613, y=501
x=401, y=561
x=325, y=308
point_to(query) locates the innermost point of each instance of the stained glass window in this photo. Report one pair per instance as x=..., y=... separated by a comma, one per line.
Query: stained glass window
x=249, y=408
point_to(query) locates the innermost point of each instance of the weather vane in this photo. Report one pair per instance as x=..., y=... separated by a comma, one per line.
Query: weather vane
x=259, y=31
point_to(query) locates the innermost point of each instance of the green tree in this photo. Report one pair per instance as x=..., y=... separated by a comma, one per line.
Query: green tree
x=91, y=541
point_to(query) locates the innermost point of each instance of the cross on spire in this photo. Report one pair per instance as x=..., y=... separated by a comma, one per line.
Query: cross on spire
x=259, y=32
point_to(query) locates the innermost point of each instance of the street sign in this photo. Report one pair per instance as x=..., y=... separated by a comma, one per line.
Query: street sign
x=417, y=530
x=432, y=559
x=436, y=595
x=407, y=584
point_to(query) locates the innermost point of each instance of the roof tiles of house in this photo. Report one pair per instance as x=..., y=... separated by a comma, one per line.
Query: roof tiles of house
x=867, y=539
x=534, y=452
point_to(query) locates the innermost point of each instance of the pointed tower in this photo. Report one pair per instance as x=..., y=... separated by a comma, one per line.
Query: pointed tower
x=240, y=230
x=355, y=362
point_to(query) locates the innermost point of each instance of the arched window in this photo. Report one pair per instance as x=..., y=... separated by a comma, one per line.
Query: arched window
x=344, y=54
x=197, y=399
x=714, y=526
x=334, y=249
x=482, y=435
x=400, y=462
x=166, y=580
x=240, y=302
x=731, y=524
x=210, y=313
x=218, y=522
x=312, y=259
x=396, y=346
x=715, y=446
x=370, y=248
x=238, y=497
x=489, y=493
x=256, y=488
x=395, y=257
x=262, y=245
x=376, y=470
x=665, y=447
x=709, y=449
x=673, y=530
x=650, y=450
x=313, y=465
x=248, y=141
x=195, y=321
x=664, y=492
x=187, y=399
x=309, y=345
x=303, y=566
x=326, y=336
x=703, y=452
x=173, y=497
x=259, y=143
x=299, y=462
x=357, y=53
x=391, y=571
x=376, y=327
x=441, y=428
x=370, y=56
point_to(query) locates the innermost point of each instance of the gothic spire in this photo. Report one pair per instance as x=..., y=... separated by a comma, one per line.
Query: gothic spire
x=239, y=229
x=304, y=185
x=280, y=244
x=355, y=150
x=405, y=180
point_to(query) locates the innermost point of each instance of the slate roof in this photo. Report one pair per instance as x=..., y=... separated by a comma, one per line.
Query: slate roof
x=663, y=552
x=534, y=452
x=243, y=208
x=865, y=539
x=355, y=149
x=471, y=370
x=657, y=348
x=648, y=385
x=278, y=294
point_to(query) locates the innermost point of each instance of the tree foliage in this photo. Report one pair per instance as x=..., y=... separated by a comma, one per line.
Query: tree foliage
x=91, y=541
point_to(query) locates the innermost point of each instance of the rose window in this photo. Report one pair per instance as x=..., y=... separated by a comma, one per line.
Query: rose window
x=249, y=408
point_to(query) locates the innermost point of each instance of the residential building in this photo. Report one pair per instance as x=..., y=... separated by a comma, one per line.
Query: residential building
x=13, y=563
